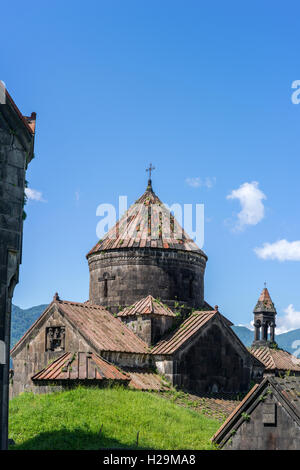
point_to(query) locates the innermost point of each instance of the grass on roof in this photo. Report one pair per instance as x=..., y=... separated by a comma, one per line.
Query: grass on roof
x=73, y=419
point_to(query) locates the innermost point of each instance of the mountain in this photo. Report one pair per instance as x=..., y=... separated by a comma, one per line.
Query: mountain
x=245, y=335
x=21, y=320
x=284, y=341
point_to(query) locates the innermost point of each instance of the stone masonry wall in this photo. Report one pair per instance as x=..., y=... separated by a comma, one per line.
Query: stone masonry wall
x=150, y=328
x=33, y=357
x=134, y=273
x=16, y=147
x=253, y=434
x=212, y=362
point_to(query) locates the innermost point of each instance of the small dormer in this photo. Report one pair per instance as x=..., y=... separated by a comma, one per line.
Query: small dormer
x=149, y=318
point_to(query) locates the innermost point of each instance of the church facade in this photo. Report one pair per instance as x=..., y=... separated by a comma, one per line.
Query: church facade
x=146, y=322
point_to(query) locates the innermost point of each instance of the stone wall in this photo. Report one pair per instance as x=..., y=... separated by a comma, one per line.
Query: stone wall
x=150, y=328
x=32, y=356
x=211, y=362
x=254, y=434
x=16, y=150
x=118, y=278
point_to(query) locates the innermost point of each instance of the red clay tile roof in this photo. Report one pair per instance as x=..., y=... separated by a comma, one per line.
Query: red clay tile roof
x=134, y=229
x=80, y=366
x=185, y=331
x=264, y=303
x=105, y=331
x=146, y=380
x=276, y=359
x=146, y=306
x=97, y=326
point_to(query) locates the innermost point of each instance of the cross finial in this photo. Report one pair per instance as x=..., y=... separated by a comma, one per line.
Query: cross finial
x=150, y=169
x=265, y=284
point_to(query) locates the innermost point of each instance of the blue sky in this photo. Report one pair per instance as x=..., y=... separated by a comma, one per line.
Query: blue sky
x=201, y=90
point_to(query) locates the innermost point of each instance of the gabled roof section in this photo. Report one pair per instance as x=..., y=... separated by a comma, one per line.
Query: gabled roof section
x=287, y=390
x=147, y=224
x=80, y=366
x=98, y=327
x=276, y=359
x=264, y=303
x=146, y=306
x=186, y=330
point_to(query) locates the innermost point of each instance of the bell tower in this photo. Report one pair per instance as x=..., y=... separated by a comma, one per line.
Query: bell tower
x=264, y=320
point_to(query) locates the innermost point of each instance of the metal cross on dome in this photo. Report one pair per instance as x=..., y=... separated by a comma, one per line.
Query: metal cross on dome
x=150, y=169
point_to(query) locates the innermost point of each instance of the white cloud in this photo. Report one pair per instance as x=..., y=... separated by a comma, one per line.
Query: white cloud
x=250, y=325
x=77, y=195
x=282, y=250
x=290, y=321
x=197, y=182
x=34, y=195
x=250, y=197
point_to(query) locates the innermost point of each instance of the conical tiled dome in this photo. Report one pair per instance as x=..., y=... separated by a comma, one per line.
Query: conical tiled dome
x=147, y=253
x=147, y=223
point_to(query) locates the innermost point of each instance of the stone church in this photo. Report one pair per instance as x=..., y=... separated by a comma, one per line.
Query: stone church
x=146, y=323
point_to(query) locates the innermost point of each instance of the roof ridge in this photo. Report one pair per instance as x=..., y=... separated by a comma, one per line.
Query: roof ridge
x=238, y=408
x=174, y=340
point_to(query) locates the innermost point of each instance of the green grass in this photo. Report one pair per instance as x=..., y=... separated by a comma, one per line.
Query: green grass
x=72, y=420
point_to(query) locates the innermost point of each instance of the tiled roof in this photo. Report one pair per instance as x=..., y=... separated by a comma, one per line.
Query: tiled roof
x=80, y=366
x=276, y=359
x=145, y=306
x=105, y=331
x=138, y=229
x=264, y=303
x=289, y=387
x=97, y=326
x=185, y=331
x=146, y=380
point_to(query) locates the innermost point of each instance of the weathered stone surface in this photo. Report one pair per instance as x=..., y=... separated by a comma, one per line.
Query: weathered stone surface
x=150, y=328
x=254, y=434
x=16, y=150
x=212, y=361
x=135, y=273
x=33, y=356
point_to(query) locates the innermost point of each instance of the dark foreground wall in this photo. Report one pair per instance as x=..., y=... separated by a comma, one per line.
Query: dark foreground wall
x=280, y=432
x=16, y=150
x=118, y=278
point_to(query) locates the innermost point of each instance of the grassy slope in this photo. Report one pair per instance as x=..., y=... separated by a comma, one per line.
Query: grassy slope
x=72, y=420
